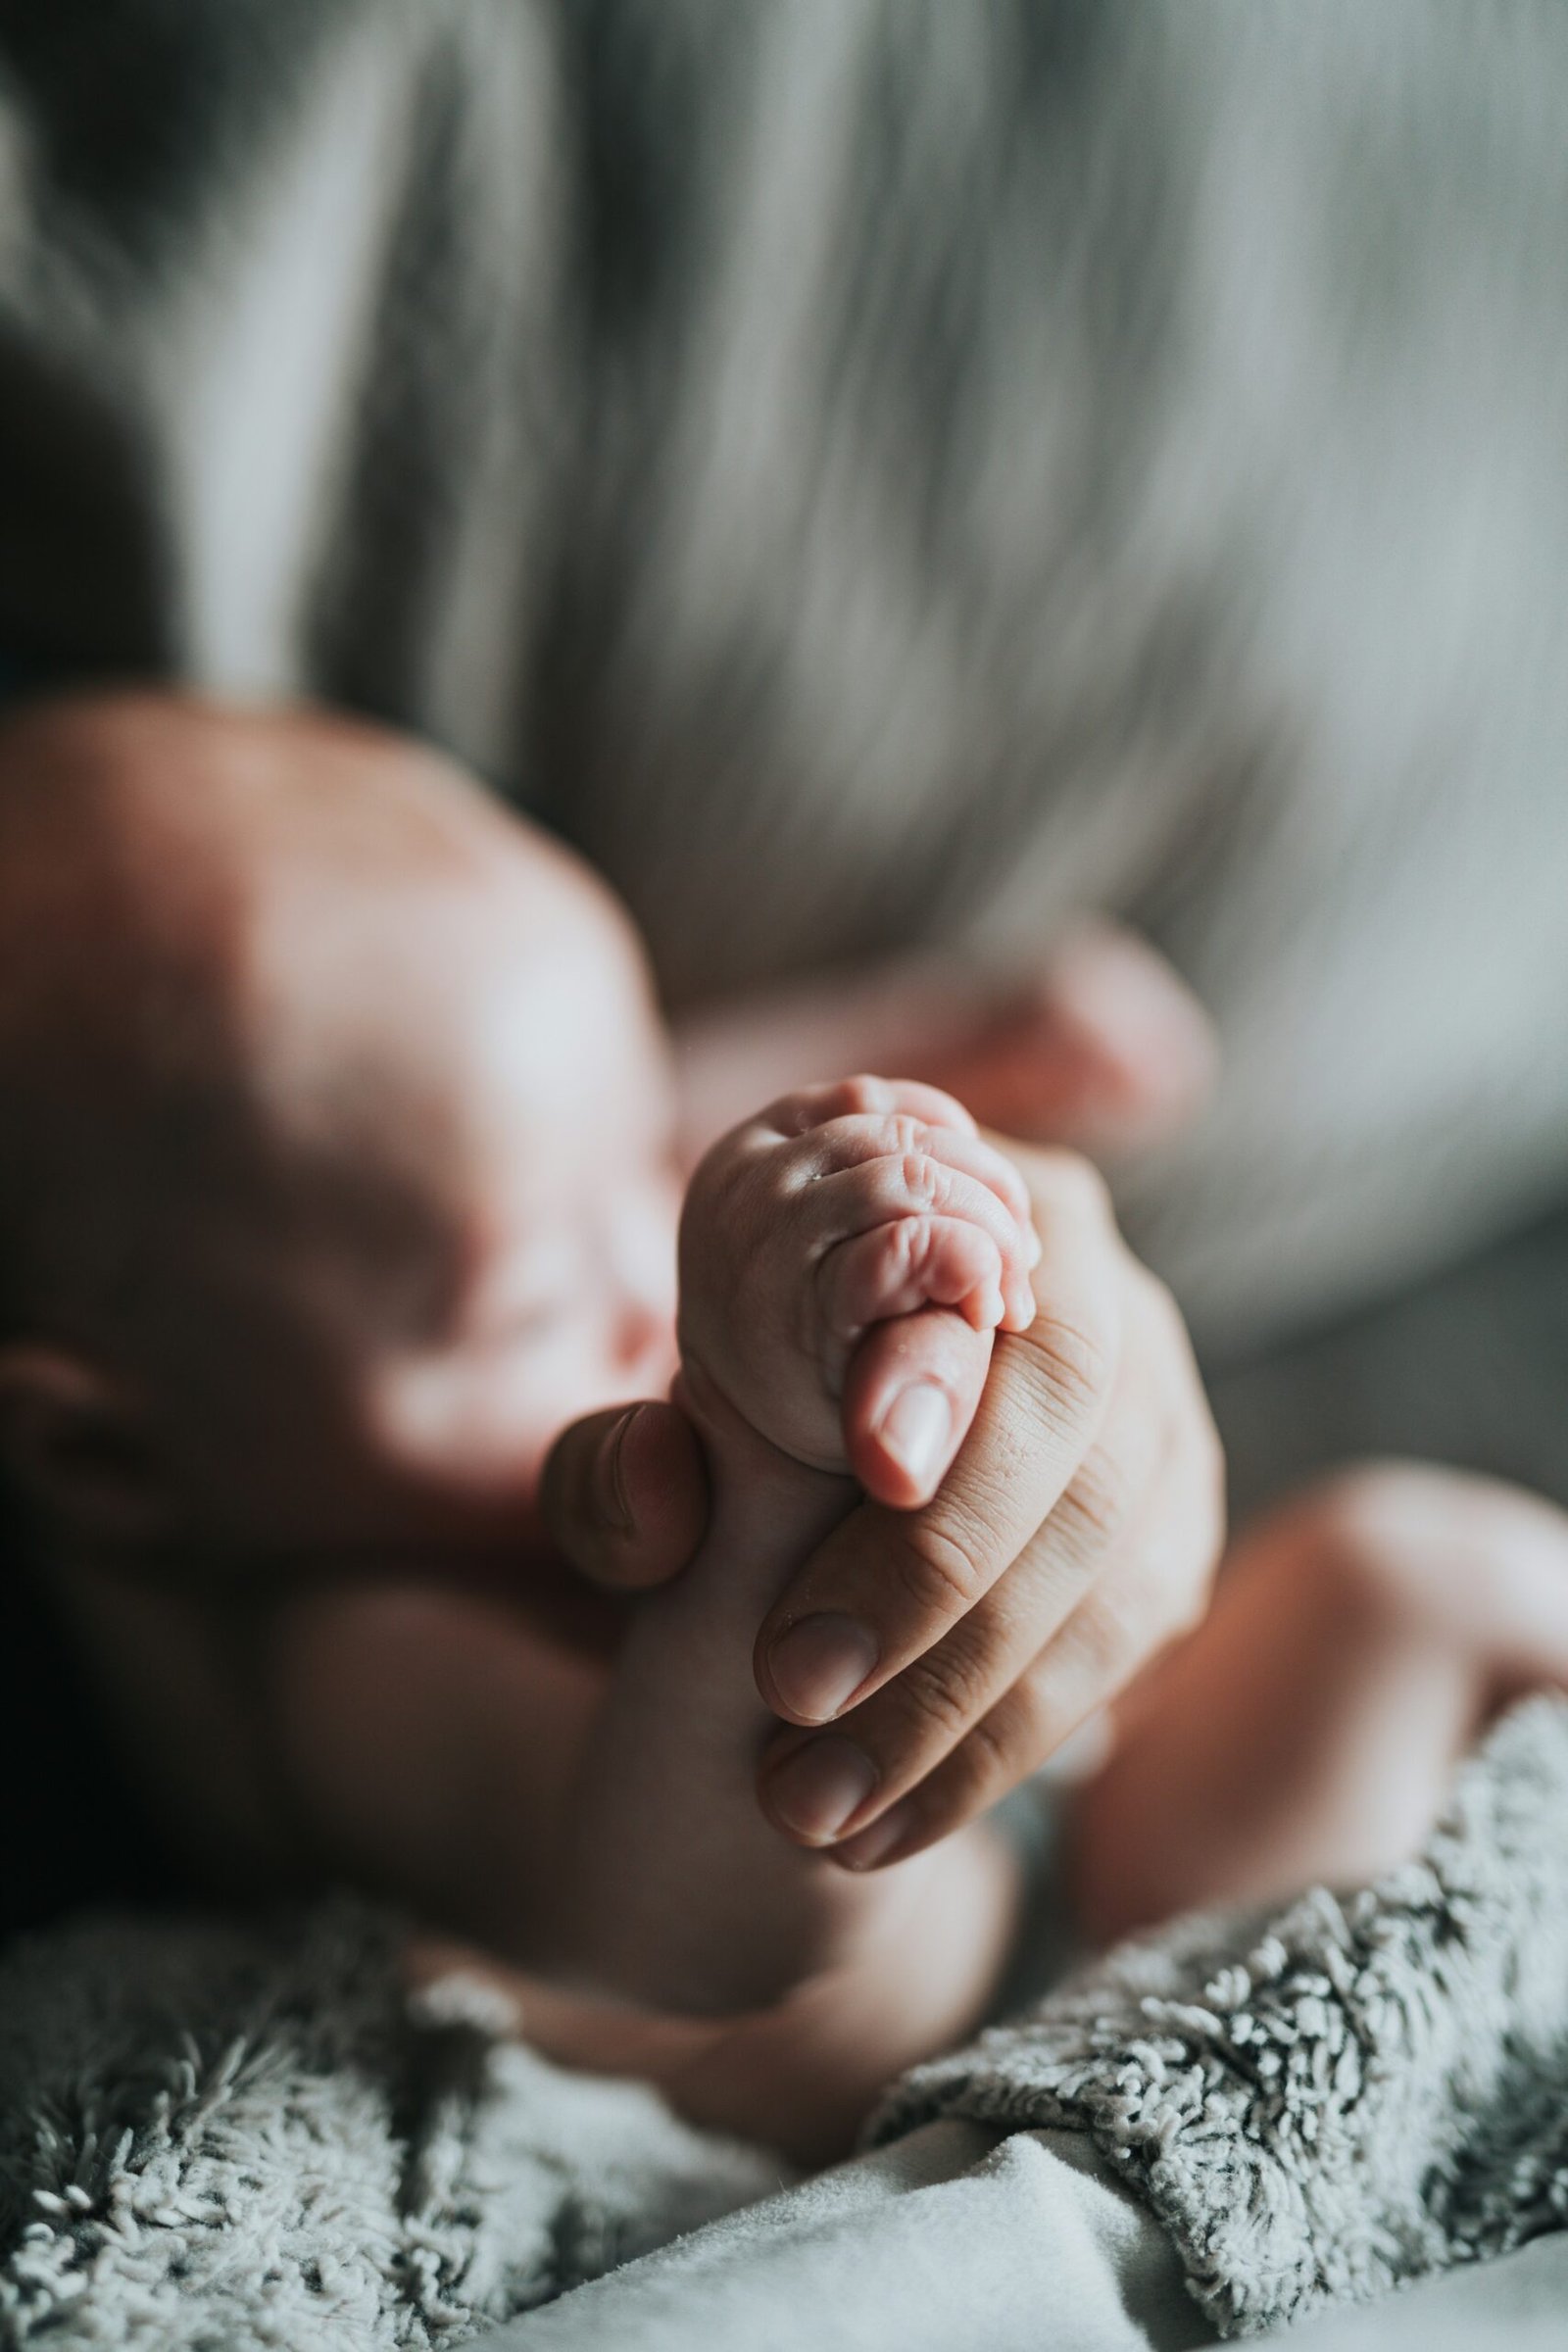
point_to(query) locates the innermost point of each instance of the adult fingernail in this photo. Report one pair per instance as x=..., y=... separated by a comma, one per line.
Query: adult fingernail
x=816, y=1791
x=819, y=1664
x=917, y=1428
x=875, y=1843
x=610, y=1485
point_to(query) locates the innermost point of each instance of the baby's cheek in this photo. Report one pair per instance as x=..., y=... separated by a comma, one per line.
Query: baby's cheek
x=640, y=1255
x=478, y=1425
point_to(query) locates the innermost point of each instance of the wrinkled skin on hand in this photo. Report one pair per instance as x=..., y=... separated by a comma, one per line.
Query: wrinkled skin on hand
x=958, y=1644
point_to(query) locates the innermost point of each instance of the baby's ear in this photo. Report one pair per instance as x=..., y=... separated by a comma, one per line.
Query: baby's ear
x=77, y=1443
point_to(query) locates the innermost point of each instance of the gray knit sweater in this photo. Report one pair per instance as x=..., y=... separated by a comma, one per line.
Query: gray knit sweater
x=876, y=470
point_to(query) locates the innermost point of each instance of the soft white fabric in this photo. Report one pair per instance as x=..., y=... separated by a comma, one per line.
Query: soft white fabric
x=954, y=2240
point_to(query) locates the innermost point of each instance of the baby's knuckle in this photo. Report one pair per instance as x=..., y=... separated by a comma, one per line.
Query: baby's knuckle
x=905, y=1241
x=899, y=1134
x=919, y=1178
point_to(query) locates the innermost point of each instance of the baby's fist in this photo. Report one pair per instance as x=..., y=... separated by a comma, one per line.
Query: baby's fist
x=845, y=1258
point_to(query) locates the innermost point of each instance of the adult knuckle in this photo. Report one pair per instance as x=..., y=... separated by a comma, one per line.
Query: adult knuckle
x=939, y=1700
x=1102, y=1499
x=938, y=1571
x=1112, y=1632
x=1073, y=1365
x=988, y=1762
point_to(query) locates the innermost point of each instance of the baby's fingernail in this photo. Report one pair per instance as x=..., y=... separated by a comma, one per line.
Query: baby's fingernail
x=819, y=1664
x=608, y=1483
x=875, y=1843
x=816, y=1791
x=917, y=1428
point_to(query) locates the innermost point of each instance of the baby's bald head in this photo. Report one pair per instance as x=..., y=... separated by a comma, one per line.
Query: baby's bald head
x=334, y=1111
x=211, y=923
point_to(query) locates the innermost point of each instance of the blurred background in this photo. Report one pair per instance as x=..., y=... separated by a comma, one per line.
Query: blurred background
x=886, y=477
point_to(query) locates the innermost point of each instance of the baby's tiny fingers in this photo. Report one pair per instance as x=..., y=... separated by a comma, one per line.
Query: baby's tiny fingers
x=848, y=1143
x=866, y=1098
x=886, y=1192
x=911, y=1148
x=910, y=1263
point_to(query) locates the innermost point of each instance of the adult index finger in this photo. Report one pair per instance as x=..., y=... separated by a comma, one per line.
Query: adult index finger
x=887, y=1585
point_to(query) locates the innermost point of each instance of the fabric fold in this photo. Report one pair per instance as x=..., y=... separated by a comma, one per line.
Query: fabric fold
x=1328, y=2100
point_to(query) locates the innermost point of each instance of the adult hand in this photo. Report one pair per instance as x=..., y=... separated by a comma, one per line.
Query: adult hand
x=954, y=1648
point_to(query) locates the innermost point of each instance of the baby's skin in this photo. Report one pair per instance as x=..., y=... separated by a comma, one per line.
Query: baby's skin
x=825, y=1242
x=336, y=1177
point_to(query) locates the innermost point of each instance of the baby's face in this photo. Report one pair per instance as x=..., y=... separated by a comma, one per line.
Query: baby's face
x=481, y=1242
x=562, y=1214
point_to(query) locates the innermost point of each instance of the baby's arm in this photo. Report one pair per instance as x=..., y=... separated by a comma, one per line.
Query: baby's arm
x=851, y=1242
x=1363, y=1634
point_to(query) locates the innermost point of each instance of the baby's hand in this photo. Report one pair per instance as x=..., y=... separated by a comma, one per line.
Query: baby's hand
x=845, y=1258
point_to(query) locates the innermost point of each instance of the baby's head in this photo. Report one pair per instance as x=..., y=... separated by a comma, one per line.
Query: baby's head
x=334, y=1165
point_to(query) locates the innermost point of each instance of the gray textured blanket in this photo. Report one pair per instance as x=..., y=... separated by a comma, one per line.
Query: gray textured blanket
x=1326, y=2102
x=217, y=2135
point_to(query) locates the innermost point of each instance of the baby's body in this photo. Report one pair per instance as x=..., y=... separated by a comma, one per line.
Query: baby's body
x=369, y=1076
x=827, y=1246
